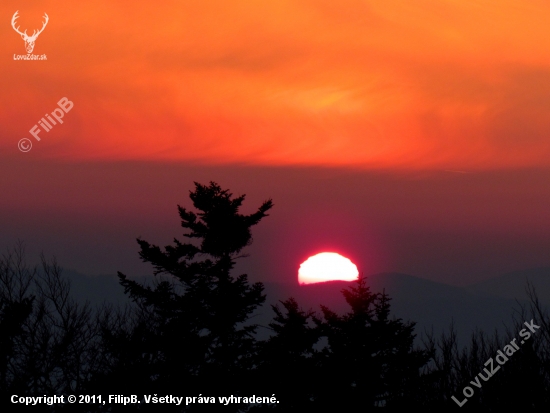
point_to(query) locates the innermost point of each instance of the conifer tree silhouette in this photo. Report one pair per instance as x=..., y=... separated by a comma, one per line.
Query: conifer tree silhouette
x=193, y=337
x=286, y=364
x=369, y=360
x=356, y=362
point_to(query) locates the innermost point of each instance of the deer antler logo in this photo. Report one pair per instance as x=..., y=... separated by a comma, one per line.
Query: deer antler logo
x=29, y=40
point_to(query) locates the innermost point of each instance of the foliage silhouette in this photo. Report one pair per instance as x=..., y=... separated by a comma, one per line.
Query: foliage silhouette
x=522, y=382
x=49, y=343
x=369, y=360
x=189, y=333
x=192, y=331
x=358, y=361
x=286, y=363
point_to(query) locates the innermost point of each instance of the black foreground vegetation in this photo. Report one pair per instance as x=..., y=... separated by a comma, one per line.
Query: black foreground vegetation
x=189, y=333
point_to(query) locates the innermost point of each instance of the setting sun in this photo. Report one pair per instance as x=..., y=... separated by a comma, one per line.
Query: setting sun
x=327, y=266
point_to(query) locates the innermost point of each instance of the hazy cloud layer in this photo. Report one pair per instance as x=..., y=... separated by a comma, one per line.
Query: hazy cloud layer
x=423, y=84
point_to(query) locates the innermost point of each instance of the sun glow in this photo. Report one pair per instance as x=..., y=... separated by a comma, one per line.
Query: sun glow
x=327, y=266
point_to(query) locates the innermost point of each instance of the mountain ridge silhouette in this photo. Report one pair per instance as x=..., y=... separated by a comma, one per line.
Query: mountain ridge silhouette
x=487, y=305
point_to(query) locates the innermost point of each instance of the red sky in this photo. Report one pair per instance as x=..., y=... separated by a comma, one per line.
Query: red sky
x=392, y=84
x=412, y=134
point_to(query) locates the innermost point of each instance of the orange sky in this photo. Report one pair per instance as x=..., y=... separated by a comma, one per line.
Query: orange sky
x=444, y=84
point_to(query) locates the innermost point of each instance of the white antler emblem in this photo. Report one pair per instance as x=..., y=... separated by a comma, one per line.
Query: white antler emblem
x=29, y=40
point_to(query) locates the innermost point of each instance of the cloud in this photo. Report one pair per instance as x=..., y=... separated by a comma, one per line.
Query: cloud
x=425, y=84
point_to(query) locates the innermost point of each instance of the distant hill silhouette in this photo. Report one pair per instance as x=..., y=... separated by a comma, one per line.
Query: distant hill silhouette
x=430, y=304
x=512, y=285
x=95, y=288
x=485, y=305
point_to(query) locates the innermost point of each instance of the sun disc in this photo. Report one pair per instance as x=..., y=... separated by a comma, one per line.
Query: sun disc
x=327, y=266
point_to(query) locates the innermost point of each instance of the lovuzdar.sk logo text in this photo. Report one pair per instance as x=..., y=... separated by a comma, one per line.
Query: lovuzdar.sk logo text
x=29, y=40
